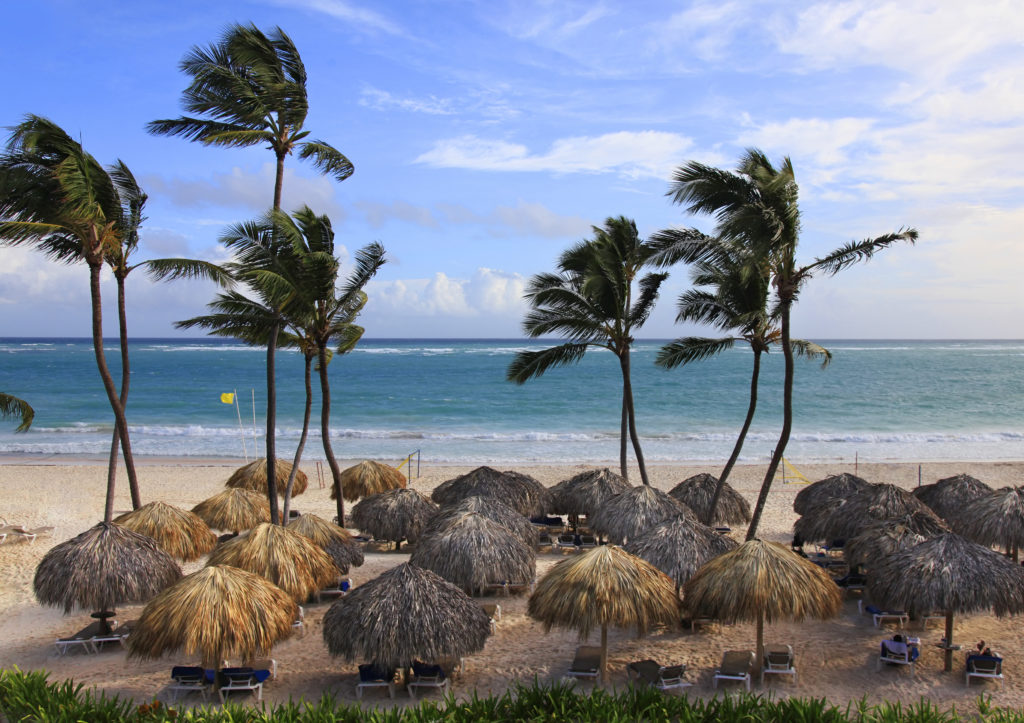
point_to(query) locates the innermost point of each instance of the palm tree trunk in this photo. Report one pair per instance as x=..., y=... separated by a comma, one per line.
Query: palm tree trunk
x=623, y=432
x=302, y=437
x=129, y=461
x=272, y=426
x=278, y=181
x=325, y=432
x=739, y=440
x=787, y=419
x=627, y=394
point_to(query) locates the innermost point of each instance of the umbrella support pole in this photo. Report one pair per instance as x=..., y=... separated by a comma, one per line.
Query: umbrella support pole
x=759, y=652
x=604, y=654
x=949, y=641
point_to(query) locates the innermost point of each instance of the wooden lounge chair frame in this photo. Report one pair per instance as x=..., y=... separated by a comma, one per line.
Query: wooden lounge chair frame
x=778, y=660
x=735, y=665
x=984, y=666
x=587, y=662
x=381, y=682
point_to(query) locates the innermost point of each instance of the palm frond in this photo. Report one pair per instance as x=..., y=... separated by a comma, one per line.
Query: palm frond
x=856, y=251
x=689, y=349
x=327, y=159
x=173, y=269
x=528, y=365
x=11, y=406
x=644, y=303
x=810, y=350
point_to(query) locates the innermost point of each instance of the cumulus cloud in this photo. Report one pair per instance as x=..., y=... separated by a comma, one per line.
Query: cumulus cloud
x=488, y=292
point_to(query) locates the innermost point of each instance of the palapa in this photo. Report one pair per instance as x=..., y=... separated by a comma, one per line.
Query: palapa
x=253, y=476
x=841, y=519
x=952, y=574
x=582, y=494
x=281, y=555
x=474, y=552
x=881, y=538
x=394, y=515
x=995, y=518
x=837, y=486
x=184, y=535
x=234, y=510
x=633, y=512
x=697, y=492
x=521, y=492
x=338, y=543
x=679, y=546
x=604, y=587
x=368, y=478
x=490, y=508
x=949, y=496
x=217, y=613
x=761, y=581
x=405, y=614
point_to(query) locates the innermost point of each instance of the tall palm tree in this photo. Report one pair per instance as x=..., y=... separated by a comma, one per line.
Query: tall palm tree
x=11, y=406
x=591, y=302
x=756, y=209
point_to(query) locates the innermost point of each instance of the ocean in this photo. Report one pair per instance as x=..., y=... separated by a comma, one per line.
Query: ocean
x=448, y=400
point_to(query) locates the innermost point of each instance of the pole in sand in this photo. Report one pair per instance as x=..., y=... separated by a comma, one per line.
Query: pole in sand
x=241, y=429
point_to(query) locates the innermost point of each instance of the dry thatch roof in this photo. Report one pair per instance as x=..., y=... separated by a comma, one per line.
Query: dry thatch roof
x=473, y=551
x=182, y=534
x=995, y=518
x=949, y=496
x=582, y=494
x=335, y=541
x=368, y=478
x=633, y=512
x=234, y=509
x=878, y=540
x=394, y=515
x=253, y=476
x=404, y=614
x=103, y=567
x=521, y=492
x=217, y=613
x=842, y=519
x=487, y=507
x=679, y=546
x=837, y=486
x=697, y=492
x=281, y=555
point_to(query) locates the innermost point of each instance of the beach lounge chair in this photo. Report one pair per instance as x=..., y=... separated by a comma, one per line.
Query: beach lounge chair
x=778, y=660
x=879, y=616
x=268, y=664
x=586, y=663
x=300, y=622
x=566, y=543
x=426, y=676
x=657, y=675
x=587, y=541
x=735, y=665
x=116, y=636
x=31, y=535
x=188, y=679
x=899, y=651
x=513, y=587
x=339, y=589
x=372, y=675
x=984, y=666
x=83, y=639
x=235, y=679
x=493, y=611
x=544, y=542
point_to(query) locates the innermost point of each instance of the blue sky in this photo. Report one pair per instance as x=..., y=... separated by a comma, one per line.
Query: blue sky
x=488, y=136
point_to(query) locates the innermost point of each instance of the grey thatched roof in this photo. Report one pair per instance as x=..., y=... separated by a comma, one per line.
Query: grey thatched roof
x=679, y=546
x=994, y=518
x=696, y=492
x=339, y=545
x=406, y=613
x=487, y=507
x=949, y=496
x=878, y=540
x=184, y=535
x=837, y=486
x=394, y=515
x=632, y=513
x=583, y=493
x=839, y=519
x=521, y=492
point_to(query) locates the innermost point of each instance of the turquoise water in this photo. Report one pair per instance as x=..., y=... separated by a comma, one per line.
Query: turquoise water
x=887, y=400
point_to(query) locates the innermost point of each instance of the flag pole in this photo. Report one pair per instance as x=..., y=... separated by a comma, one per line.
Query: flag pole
x=241, y=429
x=255, y=446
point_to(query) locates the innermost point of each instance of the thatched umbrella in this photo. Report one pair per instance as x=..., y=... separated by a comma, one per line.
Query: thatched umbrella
x=839, y=519
x=406, y=613
x=582, y=494
x=520, y=492
x=183, y=534
x=217, y=613
x=881, y=538
x=633, y=512
x=487, y=507
x=949, y=496
x=762, y=581
x=837, y=486
x=394, y=515
x=473, y=552
x=253, y=476
x=335, y=541
x=101, y=568
x=679, y=546
x=606, y=586
x=995, y=518
x=697, y=492
x=368, y=478
x=234, y=509
x=952, y=574
x=281, y=555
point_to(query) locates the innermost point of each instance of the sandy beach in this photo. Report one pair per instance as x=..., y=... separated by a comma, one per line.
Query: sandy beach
x=835, y=659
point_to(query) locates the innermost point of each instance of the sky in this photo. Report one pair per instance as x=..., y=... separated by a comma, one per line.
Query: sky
x=489, y=136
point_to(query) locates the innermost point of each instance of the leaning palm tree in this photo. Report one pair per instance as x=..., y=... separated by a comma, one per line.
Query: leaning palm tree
x=11, y=406
x=756, y=210
x=590, y=301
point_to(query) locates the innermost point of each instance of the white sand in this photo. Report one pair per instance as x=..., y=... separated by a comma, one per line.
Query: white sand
x=835, y=659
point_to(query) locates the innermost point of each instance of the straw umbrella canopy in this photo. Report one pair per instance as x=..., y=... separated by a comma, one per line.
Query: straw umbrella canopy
x=949, y=573
x=839, y=519
x=216, y=613
x=697, y=492
x=368, y=478
x=995, y=518
x=521, y=492
x=335, y=541
x=394, y=515
x=101, y=568
x=837, y=486
x=473, y=552
x=487, y=507
x=679, y=546
x=762, y=581
x=949, y=496
x=281, y=555
x=253, y=476
x=407, y=613
x=234, y=509
x=633, y=512
x=182, y=534
x=582, y=494
x=884, y=537
x=607, y=586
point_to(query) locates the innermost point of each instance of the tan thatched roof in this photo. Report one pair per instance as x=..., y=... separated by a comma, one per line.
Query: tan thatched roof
x=182, y=534
x=253, y=476
x=632, y=513
x=949, y=496
x=103, y=567
x=281, y=555
x=679, y=546
x=837, y=486
x=521, y=492
x=995, y=518
x=368, y=478
x=335, y=541
x=697, y=492
x=842, y=519
x=582, y=494
x=217, y=613
x=394, y=515
x=406, y=613
x=487, y=507
x=234, y=509
x=473, y=551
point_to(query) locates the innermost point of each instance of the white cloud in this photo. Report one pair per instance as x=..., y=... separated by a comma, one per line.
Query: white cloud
x=824, y=141
x=382, y=100
x=347, y=12
x=378, y=214
x=488, y=292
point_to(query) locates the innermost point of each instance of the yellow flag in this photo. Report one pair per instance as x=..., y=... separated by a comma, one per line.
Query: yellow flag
x=227, y=398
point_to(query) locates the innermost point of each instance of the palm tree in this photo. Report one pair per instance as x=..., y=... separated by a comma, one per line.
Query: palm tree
x=737, y=301
x=11, y=406
x=591, y=302
x=756, y=209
